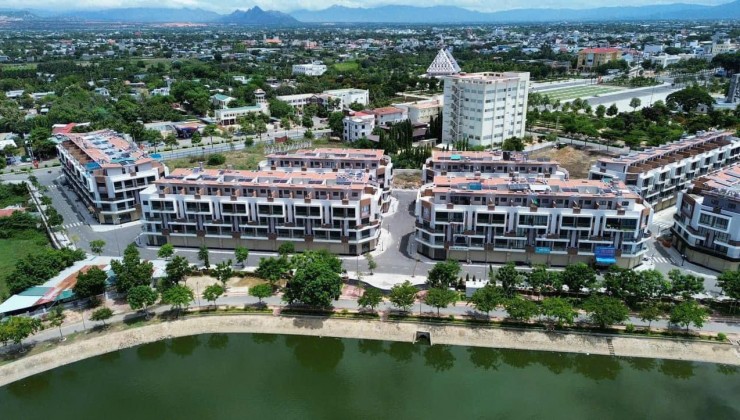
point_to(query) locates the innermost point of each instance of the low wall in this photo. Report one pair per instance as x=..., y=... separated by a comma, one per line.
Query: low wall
x=369, y=329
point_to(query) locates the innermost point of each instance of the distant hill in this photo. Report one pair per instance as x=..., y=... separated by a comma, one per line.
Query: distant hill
x=257, y=16
x=144, y=15
x=17, y=15
x=448, y=14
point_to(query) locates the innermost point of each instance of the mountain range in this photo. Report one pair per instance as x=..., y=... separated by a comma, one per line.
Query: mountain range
x=448, y=14
x=389, y=14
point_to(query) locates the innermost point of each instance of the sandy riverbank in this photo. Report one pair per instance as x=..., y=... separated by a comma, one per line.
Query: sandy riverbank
x=369, y=329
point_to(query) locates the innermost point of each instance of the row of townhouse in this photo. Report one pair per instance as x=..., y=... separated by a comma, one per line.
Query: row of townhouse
x=706, y=229
x=317, y=199
x=108, y=172
x=659, y=173
x=548, y=221
x=489, y=164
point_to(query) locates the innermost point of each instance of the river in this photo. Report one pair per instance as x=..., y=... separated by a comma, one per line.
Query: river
x=230, y=376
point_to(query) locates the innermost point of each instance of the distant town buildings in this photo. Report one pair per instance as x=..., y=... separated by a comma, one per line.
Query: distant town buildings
x=337, y=207
x=358, y=126
x=108, y=172
x=707, y=223
x=657, y=174
x=484, y=108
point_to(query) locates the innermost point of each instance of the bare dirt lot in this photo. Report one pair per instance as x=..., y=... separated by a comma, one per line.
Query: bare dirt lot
x=576, y=161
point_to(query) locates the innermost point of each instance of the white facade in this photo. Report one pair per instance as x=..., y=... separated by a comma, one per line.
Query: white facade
x=659, y=173
x=230, y=116
x=358, y=126
x=389, y=115
x=108, y=173
x=349, y=96
x=422, y=112
x=313, y=69
x=553, y=222
x=484, y=108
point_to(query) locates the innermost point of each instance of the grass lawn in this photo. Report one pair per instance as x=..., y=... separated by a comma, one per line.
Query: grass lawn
x=347, y=66
x=569, y=93
x=12, y=250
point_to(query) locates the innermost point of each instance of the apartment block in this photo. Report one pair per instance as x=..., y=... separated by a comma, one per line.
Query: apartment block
x=388, y=115
x=108, y=173
x=490, y=164
x=372, y=162
x=484, y=108
x=360, y=125
x=707, y=222
x=336, y=211
x=422, y=112
x=659, y=173
x=549, y=221
x=312, y=69
x=230, y=116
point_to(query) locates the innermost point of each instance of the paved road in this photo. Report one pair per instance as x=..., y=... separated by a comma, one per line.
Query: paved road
x=607, y=100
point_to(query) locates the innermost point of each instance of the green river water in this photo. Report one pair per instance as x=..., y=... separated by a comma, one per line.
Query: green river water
x=245, y=376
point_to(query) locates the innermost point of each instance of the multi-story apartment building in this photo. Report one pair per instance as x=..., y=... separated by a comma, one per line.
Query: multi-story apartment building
x=373, y=162
x=358, y=126
x=422, y=112
x=490, y=164
x=335, y=99
x=590, y=58
x=659, y=173
x=108, y=173
x=388, y=115
x=336, y=211
x=549, y=221
x=484, y=108
x=348, y=97
x=707, y=223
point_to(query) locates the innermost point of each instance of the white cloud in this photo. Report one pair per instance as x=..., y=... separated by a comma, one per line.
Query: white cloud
x=227, y=6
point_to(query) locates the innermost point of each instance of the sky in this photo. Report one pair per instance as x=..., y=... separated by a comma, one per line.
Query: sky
x=227, y=6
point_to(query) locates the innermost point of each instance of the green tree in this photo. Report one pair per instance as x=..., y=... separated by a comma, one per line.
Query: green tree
x=521, y=309
x=212, y=293
x=443, y=274
x=286, y=249
x=101, y=314
x=685, y=285
x=53, y=217
x=538, y=278
x=558, y=309
x=402, y=296
x=307, y=121
x=487, y=298
x=280, y=109
x=440, y=297
x=634, y=103
x=336, y=123
x=577, y=276
x=314, y=284
x=131, y=271
x=56, y=318
x=513, y=144
x=20, y=327
x=370, y=298
x=178, y=296
x=203, y=256
x=612, y=110
x=729, y=282
x=605, y=311
x=170, y=140
x=241, y=254
x=177, y=269
x=261, y=291
x=223, y=272
x=600, y=111
x=509, y=278
x=96, y=246
x=371, y=264
x=166, y=251
x=273, y=269
x=690, y=98
x=196, y=138
x=141, y=298
x=90, y=283
x=688, y=313
x=650, y=313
